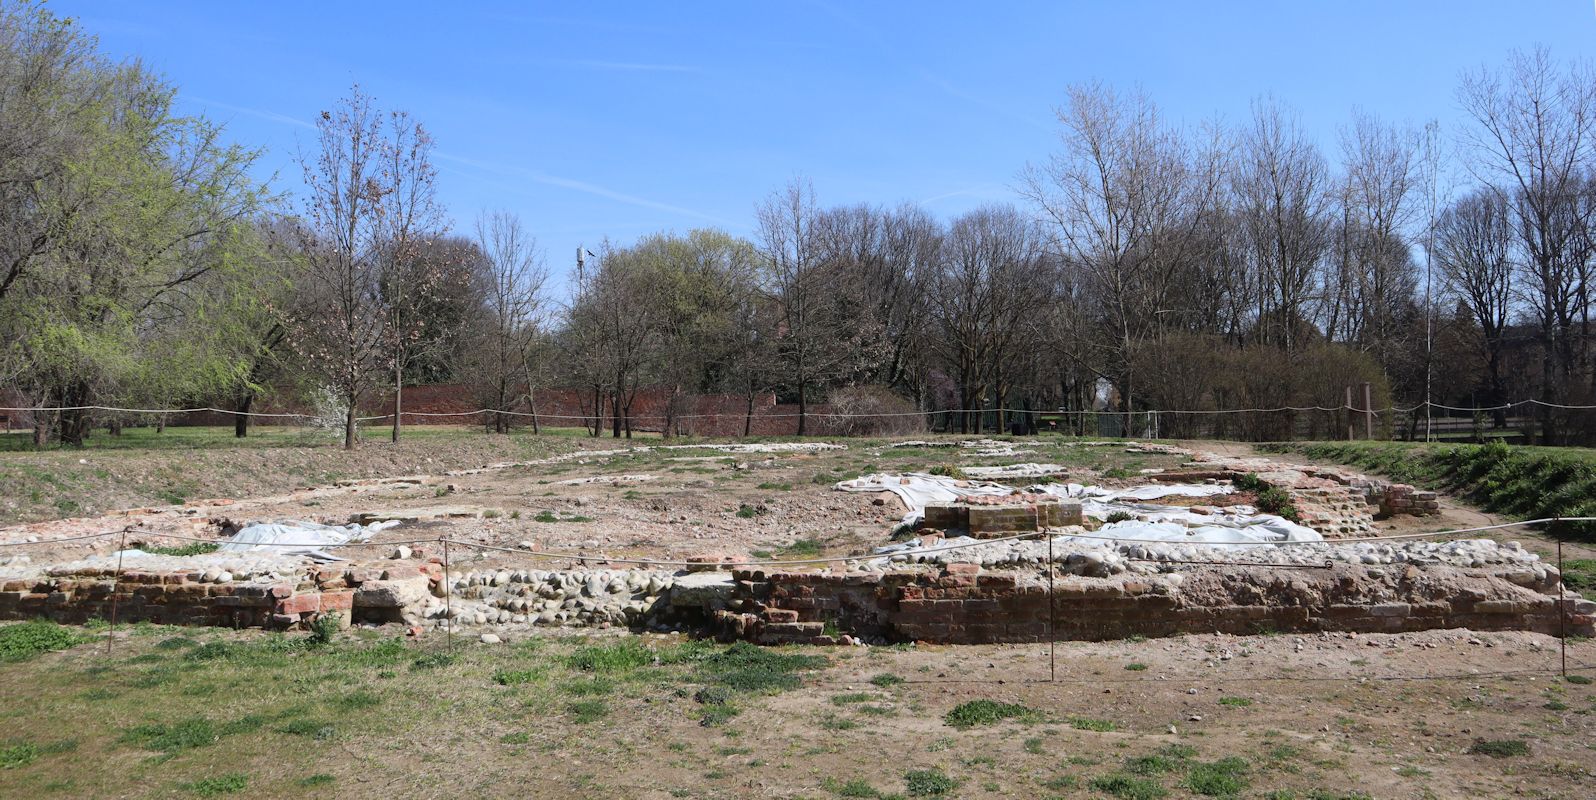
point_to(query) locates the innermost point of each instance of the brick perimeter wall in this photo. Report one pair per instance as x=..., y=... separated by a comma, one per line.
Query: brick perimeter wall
x=966, y=606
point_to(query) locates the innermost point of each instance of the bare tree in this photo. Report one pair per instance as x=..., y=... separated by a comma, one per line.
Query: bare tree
x=410, y=218
x=1124, y=197
x=340, y=319
x=511, y=277
x=1531, y=141
x=1473, y=247
x=1280, y=185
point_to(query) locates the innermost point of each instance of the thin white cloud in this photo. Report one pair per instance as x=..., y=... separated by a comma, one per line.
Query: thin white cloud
x=989, y=191
x=271, y=116
x=628, y=66
x=581, y=186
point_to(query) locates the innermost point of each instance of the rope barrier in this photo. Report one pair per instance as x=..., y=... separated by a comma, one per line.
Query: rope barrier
x=812, y=414
x=555, y=555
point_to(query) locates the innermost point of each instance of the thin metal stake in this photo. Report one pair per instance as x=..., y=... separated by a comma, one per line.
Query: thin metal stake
x=1052, y=640
x=115, y=582
x=1562, y=608
x=448, y=607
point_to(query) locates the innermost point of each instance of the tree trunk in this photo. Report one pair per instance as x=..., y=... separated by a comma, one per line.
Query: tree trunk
x=41, y=429
x=803, y=406
x=748, y=418
x=349, y=421
x=398, y=392
x=532, y=407
x=241, y=419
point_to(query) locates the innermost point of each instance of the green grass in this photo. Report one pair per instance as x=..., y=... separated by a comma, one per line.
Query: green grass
x=1500, y=748
x=931, y=782
x=190, y=549
x=1515, y=480
x=585, y=711
x=886, y=679
x=804, y=548
x=231, y=783
x=26, y=640
x=1128, y=787
x=1090, y=724
x=1235, y=702
x=1226, y=777
x=988, y=712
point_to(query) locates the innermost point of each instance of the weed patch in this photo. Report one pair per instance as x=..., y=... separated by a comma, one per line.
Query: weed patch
x=988, y=712
x=26, y=640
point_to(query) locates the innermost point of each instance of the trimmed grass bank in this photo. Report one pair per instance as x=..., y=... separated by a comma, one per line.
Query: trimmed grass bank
x=1524, y=482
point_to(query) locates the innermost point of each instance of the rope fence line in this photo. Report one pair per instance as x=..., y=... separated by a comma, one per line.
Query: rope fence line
x=554, y=555
x=815, y=414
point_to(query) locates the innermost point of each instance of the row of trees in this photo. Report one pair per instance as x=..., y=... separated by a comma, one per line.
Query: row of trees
x=1147, y=266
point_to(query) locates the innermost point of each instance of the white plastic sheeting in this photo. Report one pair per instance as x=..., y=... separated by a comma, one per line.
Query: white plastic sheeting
x=296, y=538
x=1237, y=525
x=1015, y=471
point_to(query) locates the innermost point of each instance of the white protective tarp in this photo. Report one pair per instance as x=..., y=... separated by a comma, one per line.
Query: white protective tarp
x=297, y=538
x=1239, y=525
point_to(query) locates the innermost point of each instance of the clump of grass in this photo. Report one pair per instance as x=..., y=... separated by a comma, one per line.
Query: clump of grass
x=190, y=549
x=854, y=787
x=585, y=711
x=356, y=701
x=745, y=511
x=804, y=548
x=175, y=737
x=319, y=779
x=22, y=753
x=26, y=640
x=432, y=660
x=1128, y=787
x=947, y=471
x=1090, y=724
x=776, y=487
x=217, y=785
x=1119, y=516
x=928, y=782
x=850, y=698
x=1500, y=748
x=886, y=679
x=988, y=712
x=1582, y=680
x=1276, y=501
x=1033, y=745
x=1136, y=667
x=516, y=677
x=1226, y=777
x=745, y=667
x=622, y=656
x=1235, y=702
x=324, y=628
x=519, y=737
x=1249, y=482
x=316, y=729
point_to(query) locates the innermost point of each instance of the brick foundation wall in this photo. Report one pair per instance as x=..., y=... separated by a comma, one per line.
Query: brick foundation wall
x=185, y=598
x=967, y=606
x=991, y=521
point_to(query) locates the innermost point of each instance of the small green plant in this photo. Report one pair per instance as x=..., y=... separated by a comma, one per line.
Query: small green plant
x=1119, y=516
x=1128, y=787
x=886, y=679
x=1136, y=667
x=1235, y=702
x=585, y=711
x=987, y=712
x=324, y=628
x=311, y=728
x=1226, y=777
x=1033, y=745
x=745, y=511
x=1276, y=501
x=319, y=779
x=804, y=548
x=26, y=640
x=1090, y=724
x=1582, y=680
x=545, y=516
x=519, y=737
x=1500, y=748
x=928, y=782
x=850, y=698
x=516, y=677
x=190, y=549
x=1249, y=482
x=215, y=786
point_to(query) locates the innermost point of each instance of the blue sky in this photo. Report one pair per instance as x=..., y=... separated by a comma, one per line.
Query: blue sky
x=619, y=119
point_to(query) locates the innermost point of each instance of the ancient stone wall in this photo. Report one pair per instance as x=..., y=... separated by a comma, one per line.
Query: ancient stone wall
x=964, y=605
